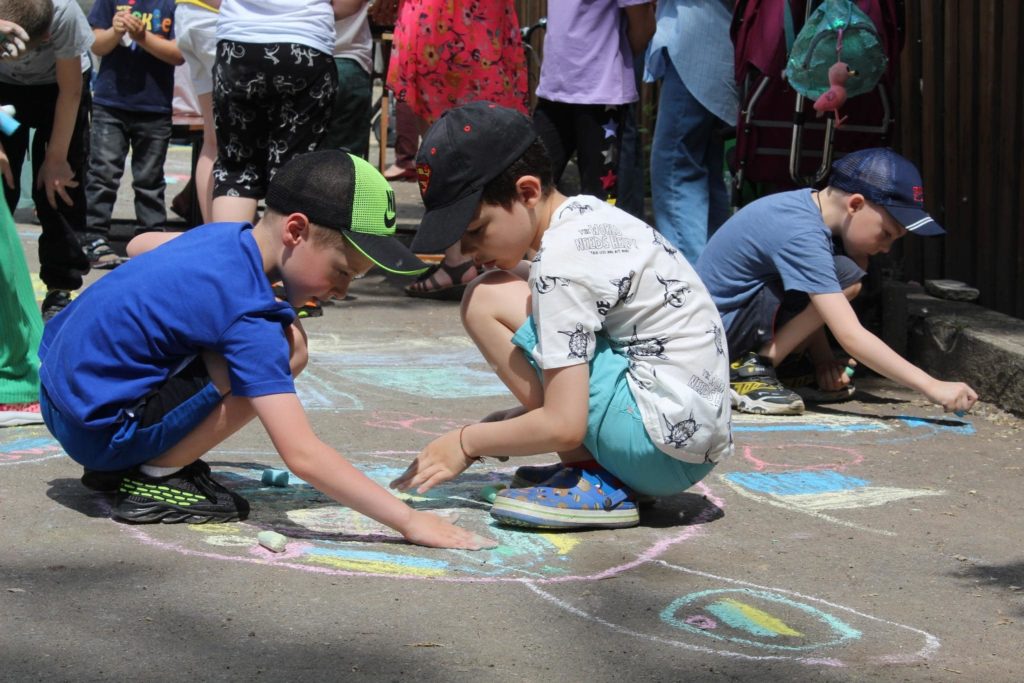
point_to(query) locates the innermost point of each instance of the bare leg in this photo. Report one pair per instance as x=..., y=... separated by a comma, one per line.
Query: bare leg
x=495, y=305
x=231, y=414
x=799, y=329
x=234, y=209
x=207, y=155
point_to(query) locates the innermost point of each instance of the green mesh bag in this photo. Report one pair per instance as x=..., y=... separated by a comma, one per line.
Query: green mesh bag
x=814, y=50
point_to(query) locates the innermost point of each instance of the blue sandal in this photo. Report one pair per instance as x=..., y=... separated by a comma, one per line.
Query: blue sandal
x=572, y=498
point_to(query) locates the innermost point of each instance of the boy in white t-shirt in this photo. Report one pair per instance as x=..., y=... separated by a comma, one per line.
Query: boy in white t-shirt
x=612, y=344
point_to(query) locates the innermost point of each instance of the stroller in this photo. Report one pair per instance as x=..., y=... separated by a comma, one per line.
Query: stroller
x=779, y=140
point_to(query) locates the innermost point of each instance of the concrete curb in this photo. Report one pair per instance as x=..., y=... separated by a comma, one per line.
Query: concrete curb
x=955, y=340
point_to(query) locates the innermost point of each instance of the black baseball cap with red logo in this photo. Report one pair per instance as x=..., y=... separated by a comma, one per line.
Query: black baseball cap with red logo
x=889, y=180
x=468, y=147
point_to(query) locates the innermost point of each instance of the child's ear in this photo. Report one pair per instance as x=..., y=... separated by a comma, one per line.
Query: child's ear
x=855, y=202
x=295, y=227
x=529, y=189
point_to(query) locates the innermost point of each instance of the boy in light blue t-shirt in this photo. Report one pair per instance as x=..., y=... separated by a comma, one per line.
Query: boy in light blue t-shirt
x=786, y=266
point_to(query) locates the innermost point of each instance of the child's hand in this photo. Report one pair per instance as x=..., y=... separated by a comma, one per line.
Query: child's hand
x=134, y=27
x=54, y=178
x=441, y=460
x=438, y=531
x=12, y=40
x=118, y=23
x=831, y=375
x=952, y=396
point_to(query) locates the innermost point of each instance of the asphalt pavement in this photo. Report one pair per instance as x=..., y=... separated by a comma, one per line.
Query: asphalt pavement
x=871, y=540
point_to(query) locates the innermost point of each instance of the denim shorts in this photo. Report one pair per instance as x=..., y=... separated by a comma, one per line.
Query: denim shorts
x=616, y=435
x=755, y=323
x=158, y=422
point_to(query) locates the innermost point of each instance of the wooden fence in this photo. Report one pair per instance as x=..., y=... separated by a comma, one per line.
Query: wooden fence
x=960, y=118
x=961, y=114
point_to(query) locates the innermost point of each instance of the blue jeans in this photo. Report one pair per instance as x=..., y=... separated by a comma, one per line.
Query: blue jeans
x=113, y=132
x=687, y=187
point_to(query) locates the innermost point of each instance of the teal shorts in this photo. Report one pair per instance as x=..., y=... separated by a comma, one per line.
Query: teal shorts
x=616, y=435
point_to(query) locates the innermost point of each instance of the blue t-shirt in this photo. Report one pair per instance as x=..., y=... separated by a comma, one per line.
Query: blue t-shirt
x=129, y=77
x=781, y=237
x=130, y=330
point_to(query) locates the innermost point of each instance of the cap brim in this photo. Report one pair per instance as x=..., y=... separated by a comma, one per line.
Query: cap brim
x=443, y=226
x=386, y=252
x=915, y=220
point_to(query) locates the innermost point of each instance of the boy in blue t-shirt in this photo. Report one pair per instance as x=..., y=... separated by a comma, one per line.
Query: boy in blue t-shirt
x=186, y=344
x=608, y=339
x=777, y=281
x=132, y=97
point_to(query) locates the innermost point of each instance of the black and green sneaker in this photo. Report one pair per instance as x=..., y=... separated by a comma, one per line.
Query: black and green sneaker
x=755, y=389
x=189, y=495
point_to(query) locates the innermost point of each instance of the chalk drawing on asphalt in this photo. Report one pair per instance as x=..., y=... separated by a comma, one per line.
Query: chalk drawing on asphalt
x=27, y=444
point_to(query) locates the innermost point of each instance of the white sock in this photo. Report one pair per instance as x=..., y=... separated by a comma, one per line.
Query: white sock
x=155, y=471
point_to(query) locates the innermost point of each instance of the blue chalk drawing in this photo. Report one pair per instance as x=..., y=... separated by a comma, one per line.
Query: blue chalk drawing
x=728, y=605
x=965, y=428
x=435, y=382
x=799, y=482
x=808, y=428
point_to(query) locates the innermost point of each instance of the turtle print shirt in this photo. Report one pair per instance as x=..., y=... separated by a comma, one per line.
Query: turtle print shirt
x=599, y=271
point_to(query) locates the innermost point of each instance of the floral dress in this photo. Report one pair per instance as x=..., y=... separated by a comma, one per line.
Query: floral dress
x=450, y=52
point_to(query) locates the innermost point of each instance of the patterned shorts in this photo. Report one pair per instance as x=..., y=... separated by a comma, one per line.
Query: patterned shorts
x=271, y=101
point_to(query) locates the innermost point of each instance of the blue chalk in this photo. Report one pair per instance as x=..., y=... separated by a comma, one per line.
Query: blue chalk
x=8, y=124
x=959, y=413
x=848, y=371
x=275, y=477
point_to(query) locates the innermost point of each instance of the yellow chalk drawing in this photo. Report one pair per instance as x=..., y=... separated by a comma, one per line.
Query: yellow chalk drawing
x=563, y=544
x=373, y=566
x=761, y=618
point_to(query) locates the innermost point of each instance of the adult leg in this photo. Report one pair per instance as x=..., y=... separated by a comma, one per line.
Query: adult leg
x=150, y=135
x=407, y=142
x=109, y=142
x=682, y=168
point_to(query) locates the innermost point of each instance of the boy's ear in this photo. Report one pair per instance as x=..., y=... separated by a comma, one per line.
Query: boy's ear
x=295, y=226
x=529, y=189
x=855, y=202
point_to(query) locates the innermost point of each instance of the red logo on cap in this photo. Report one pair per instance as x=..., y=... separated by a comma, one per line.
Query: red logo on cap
x=423, y=176
x=918, y=194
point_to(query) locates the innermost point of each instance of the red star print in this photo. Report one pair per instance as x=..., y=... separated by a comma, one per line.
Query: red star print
x=608, y=180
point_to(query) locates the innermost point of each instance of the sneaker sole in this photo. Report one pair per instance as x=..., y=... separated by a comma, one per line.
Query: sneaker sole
x=526, y=514
x=168, y=514
x=745, y=404
x=18, y=419
x=814, y=395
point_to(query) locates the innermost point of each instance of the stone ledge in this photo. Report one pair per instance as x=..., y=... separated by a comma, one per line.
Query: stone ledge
x=955, y=340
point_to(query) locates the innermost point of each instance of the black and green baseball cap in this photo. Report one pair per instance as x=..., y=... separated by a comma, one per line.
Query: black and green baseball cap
x=337, y=190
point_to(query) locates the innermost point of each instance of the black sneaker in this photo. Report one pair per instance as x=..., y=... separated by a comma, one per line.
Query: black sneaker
x=797, y=373
x=189, y=495
x=104, y=482
x=55, y=301
x=754, y=389
x=100, y=254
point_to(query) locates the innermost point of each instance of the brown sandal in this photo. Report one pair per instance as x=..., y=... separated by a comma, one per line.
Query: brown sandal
x=427, y=285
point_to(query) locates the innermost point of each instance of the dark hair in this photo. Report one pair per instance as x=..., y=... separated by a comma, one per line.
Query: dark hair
x=35, y=16
x=534, y=161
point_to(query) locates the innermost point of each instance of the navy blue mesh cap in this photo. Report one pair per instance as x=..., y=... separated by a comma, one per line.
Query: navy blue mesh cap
x=888, y=180
x=468, y=147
